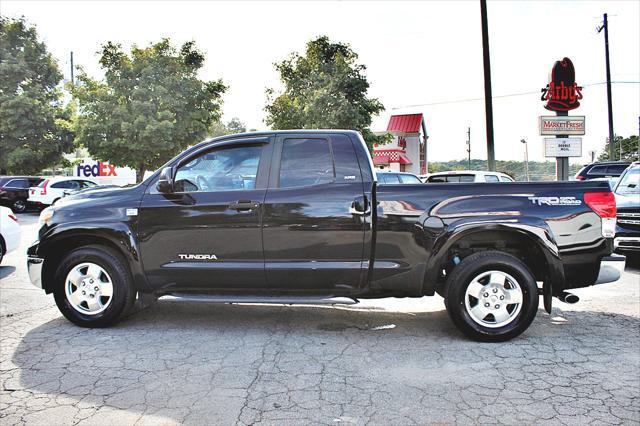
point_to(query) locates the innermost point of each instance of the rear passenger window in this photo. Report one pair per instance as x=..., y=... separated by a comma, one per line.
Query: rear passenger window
x=437, y=179
x=616, y=170
x=467, y=178
x=65, y=184
x=490, y=178
x=409, y=179
x=306, y=162
x=505, y=179
x=598, y=170
x=17, y=183
x=391, y=178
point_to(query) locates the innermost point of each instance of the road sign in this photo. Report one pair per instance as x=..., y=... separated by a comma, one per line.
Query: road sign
x=563, y=147
x=561, y=125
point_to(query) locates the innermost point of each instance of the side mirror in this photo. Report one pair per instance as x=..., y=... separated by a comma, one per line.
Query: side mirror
x=165, y=181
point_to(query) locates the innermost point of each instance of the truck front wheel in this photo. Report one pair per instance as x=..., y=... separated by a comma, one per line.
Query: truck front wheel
x=492, y=296
x=93, y=287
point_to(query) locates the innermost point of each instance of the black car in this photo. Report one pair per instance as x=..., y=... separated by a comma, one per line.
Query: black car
x=627, y=193
x=14, y=191
x=602, y=169
x=298, y=216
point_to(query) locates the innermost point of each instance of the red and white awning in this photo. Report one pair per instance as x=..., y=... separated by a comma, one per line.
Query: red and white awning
x=383, y=157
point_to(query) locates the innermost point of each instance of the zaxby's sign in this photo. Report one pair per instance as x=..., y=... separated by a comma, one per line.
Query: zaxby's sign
x=96, y=169
x=562, y=93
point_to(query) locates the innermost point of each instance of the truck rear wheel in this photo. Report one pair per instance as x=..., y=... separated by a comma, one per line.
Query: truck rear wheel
x=93, y=287
x=492, y=296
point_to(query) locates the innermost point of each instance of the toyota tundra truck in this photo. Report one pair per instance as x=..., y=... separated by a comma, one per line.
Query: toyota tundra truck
x=297, y=217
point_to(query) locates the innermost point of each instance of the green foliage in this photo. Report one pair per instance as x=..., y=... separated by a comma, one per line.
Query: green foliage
x=35, y=129
x=538, y=170
x=150, y=106
x=629, y=148
x=219, y=128
x=324, y=89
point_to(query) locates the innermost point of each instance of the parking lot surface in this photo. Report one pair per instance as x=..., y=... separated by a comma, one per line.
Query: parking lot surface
x=386, y=362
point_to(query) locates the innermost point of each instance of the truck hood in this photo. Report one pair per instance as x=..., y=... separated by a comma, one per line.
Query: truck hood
x=627, y=200
x=123, y=197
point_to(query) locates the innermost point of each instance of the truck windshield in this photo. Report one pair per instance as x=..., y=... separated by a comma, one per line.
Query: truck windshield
x=630, y=182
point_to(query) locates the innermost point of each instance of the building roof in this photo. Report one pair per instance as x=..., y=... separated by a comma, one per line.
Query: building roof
x=406, y=123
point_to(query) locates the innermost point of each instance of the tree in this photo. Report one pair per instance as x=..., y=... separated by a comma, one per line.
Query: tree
x=628, y=146
x=218, y=128
x=236, y=126
x=324, y=89
x=150, y=106
x=34, y=125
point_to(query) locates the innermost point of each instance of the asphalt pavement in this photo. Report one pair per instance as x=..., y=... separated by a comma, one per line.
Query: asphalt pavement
x=387, y=362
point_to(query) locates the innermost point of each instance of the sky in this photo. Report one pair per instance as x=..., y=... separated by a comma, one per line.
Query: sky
x=420, y=57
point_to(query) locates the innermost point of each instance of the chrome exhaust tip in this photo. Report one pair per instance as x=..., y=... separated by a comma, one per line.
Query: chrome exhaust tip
x=568, y=298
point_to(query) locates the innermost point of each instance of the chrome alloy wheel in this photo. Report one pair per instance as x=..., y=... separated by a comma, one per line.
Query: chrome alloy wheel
x=493, y=299
x=88, y=288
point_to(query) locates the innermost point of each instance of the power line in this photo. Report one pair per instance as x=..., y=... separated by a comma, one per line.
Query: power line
x=510, y=95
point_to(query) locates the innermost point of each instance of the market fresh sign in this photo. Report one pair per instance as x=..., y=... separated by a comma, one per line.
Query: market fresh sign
x=561, y=125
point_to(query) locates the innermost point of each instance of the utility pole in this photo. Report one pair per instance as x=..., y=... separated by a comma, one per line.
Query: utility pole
x=605, y=26
x=488, y=99
x=72, y=80
x=526, y=159
x=469, y=148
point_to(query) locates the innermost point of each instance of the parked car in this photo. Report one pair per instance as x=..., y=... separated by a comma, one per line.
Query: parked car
x=602, y=169
x=68, y=192
x=9, y=231
x=628, y=216
x=466, y=176
x=52, y=189
x=395, y=178
x=316, y=228
x=14, y=191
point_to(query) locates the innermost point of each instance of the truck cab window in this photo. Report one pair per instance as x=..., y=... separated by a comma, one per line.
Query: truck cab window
x=225, y=169
x=306, y=162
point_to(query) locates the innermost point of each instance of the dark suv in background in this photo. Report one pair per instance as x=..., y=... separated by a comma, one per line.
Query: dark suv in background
x=14, y=191
x=602, y=169
x=627, y=194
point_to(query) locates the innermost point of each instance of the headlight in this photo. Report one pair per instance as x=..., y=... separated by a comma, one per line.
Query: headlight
x=45, y=216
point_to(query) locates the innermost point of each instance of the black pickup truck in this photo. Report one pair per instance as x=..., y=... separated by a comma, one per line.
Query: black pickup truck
x=298, y=217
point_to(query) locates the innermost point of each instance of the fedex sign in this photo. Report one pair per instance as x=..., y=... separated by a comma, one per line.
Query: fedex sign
x=98, y=169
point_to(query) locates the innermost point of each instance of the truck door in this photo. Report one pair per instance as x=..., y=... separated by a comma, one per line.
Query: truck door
x=207, y=233
x=313, y=226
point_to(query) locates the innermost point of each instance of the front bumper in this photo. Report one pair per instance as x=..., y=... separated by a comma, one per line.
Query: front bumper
x=611, y=269
x=626, y=243
x=34, y=267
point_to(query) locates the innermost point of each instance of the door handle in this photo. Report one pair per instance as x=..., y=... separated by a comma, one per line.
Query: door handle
x=244, y=205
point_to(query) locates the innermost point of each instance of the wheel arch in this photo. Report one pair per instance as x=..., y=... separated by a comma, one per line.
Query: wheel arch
x=118, y=239
x=528, y=238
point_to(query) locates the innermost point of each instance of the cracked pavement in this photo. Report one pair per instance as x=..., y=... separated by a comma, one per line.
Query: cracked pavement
x=187, y=363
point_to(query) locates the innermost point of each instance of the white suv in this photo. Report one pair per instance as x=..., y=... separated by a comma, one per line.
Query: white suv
x=466, y=176
x=9, y=231
x=51, y=190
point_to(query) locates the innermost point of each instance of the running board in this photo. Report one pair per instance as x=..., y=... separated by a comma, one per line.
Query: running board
x=280, y=300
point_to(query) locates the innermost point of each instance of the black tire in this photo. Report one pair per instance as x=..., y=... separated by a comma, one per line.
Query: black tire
x=123, y=296
x=473, y=266
x=19, y=206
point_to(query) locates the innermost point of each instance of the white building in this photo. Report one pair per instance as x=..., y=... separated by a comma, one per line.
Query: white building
x=407, y=151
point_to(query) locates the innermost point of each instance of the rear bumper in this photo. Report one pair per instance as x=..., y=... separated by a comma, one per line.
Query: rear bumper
x=34, y=267
x=611, y=269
